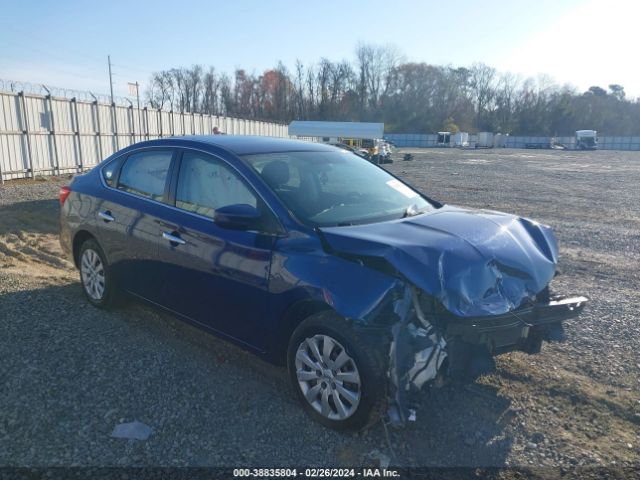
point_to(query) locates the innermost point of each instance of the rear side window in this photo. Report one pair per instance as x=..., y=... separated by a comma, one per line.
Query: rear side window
x=145, y=174
x=206, y=183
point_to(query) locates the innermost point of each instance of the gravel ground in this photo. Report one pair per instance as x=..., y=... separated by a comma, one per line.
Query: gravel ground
x=70, y=373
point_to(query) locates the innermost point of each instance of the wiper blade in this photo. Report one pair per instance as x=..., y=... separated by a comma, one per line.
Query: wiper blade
x=411, y=211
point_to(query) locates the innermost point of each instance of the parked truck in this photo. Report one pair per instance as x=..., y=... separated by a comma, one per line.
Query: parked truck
x=586, y=140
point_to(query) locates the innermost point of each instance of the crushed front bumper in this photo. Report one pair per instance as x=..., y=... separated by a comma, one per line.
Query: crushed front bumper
x=522, y=329
x=466, y=345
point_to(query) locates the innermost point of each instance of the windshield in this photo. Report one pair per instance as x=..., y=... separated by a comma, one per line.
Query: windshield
x=336, y=188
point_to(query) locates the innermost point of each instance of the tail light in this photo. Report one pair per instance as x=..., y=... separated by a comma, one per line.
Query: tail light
x=64, y=193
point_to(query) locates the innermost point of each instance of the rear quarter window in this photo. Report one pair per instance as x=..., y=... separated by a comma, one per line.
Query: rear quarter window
x=110, y=171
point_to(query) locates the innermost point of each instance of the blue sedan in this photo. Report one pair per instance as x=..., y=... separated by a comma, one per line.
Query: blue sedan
x=315, y=258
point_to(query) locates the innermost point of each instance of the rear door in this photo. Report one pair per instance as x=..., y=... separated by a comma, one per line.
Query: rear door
x=215, y=276
x=128, y=220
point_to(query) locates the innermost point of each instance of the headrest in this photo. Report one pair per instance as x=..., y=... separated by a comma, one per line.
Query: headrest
x=276, y=173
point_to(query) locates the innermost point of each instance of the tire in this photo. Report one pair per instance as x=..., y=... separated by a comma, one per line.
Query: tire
x=95, y=276
x=358, y=385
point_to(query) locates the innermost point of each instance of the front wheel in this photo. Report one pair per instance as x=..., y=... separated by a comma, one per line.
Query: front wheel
x=338, y=374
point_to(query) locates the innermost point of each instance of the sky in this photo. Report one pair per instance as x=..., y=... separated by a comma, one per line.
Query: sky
x=65, y=43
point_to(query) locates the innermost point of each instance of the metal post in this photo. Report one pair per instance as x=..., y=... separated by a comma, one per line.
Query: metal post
x=98, y=133
x=139, y=115
x=146, y=123
x=110, y=77
x=74, y=108
x=114, y=127
x=25, y=131
x=132, y=134
x=52, y=134
x=159, y=123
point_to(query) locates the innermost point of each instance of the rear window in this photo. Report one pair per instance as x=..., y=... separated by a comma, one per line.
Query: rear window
x=145, y=174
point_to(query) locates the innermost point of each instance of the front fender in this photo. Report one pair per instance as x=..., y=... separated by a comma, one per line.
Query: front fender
x=372, y=298
x=301, y=270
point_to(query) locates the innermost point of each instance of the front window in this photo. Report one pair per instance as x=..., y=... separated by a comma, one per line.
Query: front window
x=336, y=188
x=145, y=174
x=206, y=183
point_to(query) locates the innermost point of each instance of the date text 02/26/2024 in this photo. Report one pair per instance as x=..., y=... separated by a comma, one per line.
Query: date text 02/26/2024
x=315, y=473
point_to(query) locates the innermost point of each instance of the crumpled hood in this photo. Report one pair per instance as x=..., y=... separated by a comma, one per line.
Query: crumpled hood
x=476, y=262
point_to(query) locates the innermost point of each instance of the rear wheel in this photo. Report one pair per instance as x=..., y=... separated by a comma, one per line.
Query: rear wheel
x=95, y=276
x=338, y=374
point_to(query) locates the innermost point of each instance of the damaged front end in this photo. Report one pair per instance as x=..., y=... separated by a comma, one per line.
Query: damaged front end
x=428, y=343
x=417, y=352
x=475, y=284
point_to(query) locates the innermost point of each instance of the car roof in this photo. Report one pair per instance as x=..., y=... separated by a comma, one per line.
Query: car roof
x=251, y=144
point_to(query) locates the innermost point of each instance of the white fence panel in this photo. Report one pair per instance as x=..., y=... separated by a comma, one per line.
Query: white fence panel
x=44, y=135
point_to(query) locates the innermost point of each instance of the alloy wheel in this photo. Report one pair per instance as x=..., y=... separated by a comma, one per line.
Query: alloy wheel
x=92, y=271
x=328, y=377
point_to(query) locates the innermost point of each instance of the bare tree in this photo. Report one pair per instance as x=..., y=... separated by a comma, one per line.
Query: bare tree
x=161, y=90
x=299, y=88
x=507, y=86
x=211, y=86
x=226, y=95
x=409, y=97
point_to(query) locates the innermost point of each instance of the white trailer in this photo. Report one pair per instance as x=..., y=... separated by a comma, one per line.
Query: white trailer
x=485, y=140
x=586, y=140
x=460, y=139
x=499, y=140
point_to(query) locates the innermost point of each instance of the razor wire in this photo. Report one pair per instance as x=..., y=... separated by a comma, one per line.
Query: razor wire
x=15, y=86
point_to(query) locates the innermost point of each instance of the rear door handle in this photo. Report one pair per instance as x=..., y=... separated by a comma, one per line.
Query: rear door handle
x=173, y=238
x=106, y=216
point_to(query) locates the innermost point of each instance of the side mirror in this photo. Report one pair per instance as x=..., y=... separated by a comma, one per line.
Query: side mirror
x=237, y=217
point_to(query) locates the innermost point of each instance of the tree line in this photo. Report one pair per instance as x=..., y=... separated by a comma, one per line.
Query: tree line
x=378, y=85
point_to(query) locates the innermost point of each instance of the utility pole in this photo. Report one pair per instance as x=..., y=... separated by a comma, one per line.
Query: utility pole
x=110, y=77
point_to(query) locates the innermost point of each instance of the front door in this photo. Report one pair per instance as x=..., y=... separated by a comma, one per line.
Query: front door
x=215, y=276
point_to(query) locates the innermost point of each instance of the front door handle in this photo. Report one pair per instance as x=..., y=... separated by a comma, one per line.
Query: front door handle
x=173, y=238
x=106, y=216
